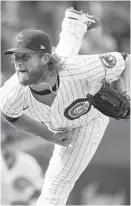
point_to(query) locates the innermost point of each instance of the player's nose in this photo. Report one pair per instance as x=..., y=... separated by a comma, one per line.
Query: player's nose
x=20, y=66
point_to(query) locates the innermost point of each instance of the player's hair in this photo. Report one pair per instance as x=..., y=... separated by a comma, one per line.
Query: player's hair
x=12, y=62
x=54, y=63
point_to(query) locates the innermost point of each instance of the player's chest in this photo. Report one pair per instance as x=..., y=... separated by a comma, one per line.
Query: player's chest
x=68, y=92
x=45, y=99
x=71, y=96
x=68, y=104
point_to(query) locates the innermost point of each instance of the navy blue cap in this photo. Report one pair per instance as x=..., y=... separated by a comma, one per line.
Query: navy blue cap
x=31, y=41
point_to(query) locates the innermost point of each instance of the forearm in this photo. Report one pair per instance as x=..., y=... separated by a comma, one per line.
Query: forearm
x=123, y=83
x=71, y=37
x=126, y=75
x=31, y=126
x=120, y=85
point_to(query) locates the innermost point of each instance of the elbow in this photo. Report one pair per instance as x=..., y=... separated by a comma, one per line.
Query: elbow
x=9, y=119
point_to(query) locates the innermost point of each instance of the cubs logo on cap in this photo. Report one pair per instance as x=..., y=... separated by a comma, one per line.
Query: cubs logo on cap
x=19, y=38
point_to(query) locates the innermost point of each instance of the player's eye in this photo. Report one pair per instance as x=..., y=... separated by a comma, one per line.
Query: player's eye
x=26, y=57
x=15, y=57
x=23, y=57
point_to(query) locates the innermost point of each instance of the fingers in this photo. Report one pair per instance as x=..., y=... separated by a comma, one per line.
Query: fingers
x=60, y=137
x=67, y=142
x=63, y=138
x=63, y=141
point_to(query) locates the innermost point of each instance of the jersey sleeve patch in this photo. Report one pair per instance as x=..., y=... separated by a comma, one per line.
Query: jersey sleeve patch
x=113, y=64
x=108, y=60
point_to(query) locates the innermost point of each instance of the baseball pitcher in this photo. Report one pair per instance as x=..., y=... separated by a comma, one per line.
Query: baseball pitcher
x=60, y=97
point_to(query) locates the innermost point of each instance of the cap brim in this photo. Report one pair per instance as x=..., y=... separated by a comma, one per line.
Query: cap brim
x=19, y=50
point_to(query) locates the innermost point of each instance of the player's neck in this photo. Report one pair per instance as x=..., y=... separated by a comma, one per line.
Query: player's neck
x=53, y=67
x=50, y=81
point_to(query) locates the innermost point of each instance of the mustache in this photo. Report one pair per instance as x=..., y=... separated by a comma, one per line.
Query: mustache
x=18, y=68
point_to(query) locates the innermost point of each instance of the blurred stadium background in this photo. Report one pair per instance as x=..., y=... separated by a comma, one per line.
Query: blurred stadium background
x=25, y=158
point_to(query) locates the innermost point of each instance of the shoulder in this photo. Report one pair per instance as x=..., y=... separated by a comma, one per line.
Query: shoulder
x=94, y=57
x=11, y=94
x=12, y=84
x=82, y=60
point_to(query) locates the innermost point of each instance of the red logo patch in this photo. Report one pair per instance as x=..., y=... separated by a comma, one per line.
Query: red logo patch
x=108, y=60
x=78, y=108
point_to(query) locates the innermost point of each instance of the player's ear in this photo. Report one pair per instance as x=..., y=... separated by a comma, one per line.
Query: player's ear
x=45, y=58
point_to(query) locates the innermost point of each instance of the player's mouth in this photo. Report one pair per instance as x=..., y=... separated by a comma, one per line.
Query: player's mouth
x=22, y=71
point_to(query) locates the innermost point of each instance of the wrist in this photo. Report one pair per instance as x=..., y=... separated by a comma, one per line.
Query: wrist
x=48, y=135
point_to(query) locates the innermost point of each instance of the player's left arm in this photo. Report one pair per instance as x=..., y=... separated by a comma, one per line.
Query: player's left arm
x=123, y=83
x=95, y=68
x=126, y=73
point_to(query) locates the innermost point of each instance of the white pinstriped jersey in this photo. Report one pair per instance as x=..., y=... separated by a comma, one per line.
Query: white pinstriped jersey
x=81, y=75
